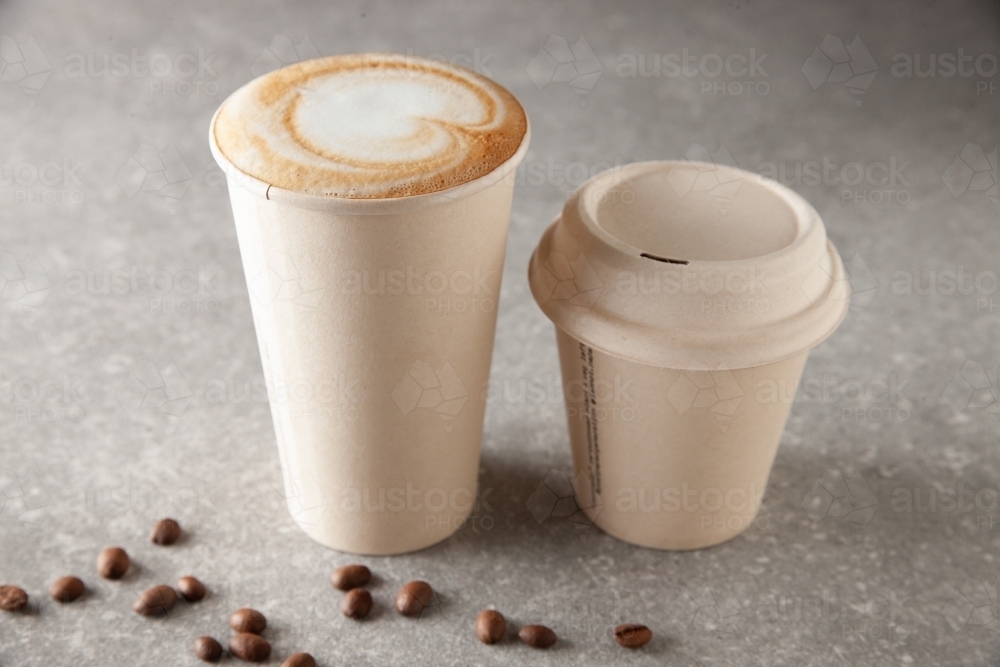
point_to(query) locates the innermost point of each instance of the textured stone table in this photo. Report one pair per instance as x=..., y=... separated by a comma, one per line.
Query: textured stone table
x=130, y=384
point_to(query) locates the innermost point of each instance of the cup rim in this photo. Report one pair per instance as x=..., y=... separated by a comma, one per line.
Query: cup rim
x=369, y=206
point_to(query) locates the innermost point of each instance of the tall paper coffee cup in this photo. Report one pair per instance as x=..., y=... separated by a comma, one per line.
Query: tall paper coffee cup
x=686, y=297
x=375, y=320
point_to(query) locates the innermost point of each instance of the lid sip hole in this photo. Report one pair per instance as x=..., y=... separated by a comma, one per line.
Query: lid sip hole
x=682, y=262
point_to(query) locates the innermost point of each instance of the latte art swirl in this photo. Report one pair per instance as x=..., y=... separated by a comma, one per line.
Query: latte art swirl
x=369, y=126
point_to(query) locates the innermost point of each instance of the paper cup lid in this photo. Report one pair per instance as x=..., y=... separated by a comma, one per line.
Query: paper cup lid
x=690, y=265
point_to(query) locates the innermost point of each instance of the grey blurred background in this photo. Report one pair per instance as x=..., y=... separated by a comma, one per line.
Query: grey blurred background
x=130, y=384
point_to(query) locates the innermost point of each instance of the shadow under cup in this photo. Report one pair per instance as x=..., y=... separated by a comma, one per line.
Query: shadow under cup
x=686, y=297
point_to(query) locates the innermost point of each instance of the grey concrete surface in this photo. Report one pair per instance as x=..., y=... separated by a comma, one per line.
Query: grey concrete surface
x=878, y=542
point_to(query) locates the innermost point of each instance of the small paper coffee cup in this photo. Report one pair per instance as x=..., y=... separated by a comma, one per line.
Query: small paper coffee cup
x=686, y=297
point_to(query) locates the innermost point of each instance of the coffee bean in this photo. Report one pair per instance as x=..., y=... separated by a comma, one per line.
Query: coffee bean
x=413, y=597
x=350, y=576
x=155, y=601
x=207, y=649
x=13, y=598
x=247, y=620
x=66, y=589
x=250, y=647
x=633, y=635
x=299, y=660
x=491, y=626
x=166, y=531
x=356, y=604
x=537, y=636
x=191, y=589
x=112, y=563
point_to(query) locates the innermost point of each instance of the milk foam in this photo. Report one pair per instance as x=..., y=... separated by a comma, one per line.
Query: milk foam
x=369, y=126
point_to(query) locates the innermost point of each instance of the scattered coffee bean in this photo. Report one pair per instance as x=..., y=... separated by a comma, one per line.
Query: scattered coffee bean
x=247, y=620
x=357, y=603
x=191, y=589
x=491, y=626
x=633, y=635
x=537, y=636
x=207, y=649
x=66, y=589
x=350, y=576
x=166, y=531
x=250, y=647
x=413, y=597
x=112, y=563
x=299, y=660
x=156, y=601
x=13, y=598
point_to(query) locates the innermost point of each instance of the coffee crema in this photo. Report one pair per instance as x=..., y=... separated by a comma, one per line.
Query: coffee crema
x=369, y=126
